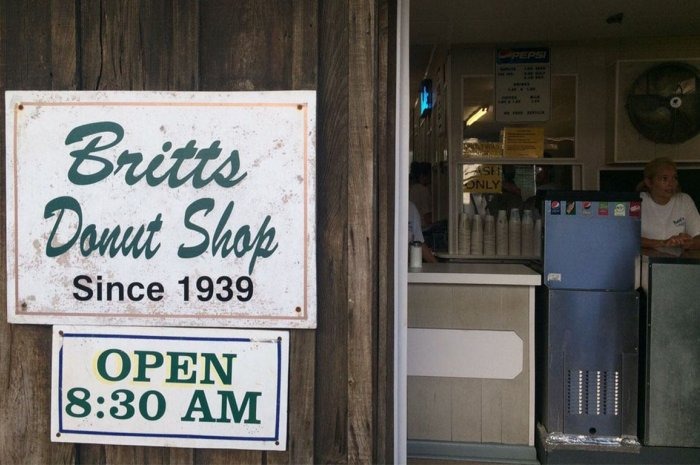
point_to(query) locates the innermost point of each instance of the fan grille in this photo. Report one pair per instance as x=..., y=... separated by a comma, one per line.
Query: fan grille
x=663, y=103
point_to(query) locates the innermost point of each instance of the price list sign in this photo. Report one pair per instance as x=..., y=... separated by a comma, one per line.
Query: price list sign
x=522, y=85
x=194, y=387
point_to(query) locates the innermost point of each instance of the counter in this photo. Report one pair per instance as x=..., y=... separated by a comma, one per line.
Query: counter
x=670, y=349
x=471, y=360
x=510, y=274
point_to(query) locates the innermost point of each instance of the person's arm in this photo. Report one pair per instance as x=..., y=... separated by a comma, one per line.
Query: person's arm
x=679, y=240
x=428, y=256
x=647, y=243
x=693, y=243
x=692, y=225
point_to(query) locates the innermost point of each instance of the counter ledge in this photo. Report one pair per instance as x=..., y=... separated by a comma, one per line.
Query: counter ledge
x=475, y=273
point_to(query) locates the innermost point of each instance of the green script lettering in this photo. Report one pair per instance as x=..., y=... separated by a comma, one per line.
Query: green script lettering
x=180, y=172
x=224, y=241
x=109, y=242
x=83, y=155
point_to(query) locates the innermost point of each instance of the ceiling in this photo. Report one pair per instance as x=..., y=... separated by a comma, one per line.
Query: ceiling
x=503, y=21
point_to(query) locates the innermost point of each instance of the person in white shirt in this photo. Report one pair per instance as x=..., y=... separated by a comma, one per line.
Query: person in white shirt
x=669, y=217
x=415, y=233
x=419, y=191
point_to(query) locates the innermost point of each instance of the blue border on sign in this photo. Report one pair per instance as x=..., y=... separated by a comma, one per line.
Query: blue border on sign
x=163, y=435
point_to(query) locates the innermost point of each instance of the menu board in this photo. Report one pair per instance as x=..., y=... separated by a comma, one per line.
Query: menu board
x=522, y=84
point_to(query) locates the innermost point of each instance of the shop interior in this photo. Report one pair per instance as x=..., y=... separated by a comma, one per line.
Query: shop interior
x=597, y=50
x=498, y=394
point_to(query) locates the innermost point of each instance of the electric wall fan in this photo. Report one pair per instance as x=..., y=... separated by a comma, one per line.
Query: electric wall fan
x=663, y=103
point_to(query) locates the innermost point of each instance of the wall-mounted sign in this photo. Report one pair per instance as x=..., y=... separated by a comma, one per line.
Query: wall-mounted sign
x=526, y=142
x=167, y=209
x=522, y=85
x=175, y=387
x=479, y=179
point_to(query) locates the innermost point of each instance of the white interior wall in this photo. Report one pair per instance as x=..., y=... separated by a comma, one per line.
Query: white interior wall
x=594, y=64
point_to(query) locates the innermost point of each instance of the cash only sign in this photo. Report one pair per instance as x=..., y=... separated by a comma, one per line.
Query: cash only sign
x=158, y=210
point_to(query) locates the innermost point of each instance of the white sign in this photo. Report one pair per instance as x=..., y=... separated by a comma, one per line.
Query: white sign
x=204, y=388
x=165, y=209
x=522, y=85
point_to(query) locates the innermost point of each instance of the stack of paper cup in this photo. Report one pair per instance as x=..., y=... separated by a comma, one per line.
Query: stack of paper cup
x=489, y=235
x=514, y=233
x=477, y=246
x=464, y=233
x=526, y=226
x=537, y=238
x=501, y=233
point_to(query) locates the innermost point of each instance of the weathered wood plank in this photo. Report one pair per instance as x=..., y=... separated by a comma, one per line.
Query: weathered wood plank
x=114, y=50
x=64, y=32
x=90, y=454
x=151, y=455
x=246, y=45
x=28, y=45
x=340, y=383
x=90, y=46
x=118, y=455
x=162, y=43
x=300, y=417
x=3, y=58
x=184, y=62
x=362, y=280
x=138, y=45
x=330, y=433
x=304, y=44
x=227, y=457
x=386, y=92
x=108, y=58
x=155, y=44
x=25, y=350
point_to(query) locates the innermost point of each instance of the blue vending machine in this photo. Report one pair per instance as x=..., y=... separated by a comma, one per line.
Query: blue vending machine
x=588, y=314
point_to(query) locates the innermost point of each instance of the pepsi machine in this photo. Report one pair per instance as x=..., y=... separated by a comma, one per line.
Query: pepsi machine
x=588, y=314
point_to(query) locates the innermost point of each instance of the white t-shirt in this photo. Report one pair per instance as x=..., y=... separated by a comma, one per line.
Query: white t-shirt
x=414, y=224
x=679, y=215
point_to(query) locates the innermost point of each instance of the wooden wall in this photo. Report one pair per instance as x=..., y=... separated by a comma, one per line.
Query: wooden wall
x=341, y=379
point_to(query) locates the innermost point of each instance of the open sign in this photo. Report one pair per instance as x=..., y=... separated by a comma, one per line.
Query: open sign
x=208, y=388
